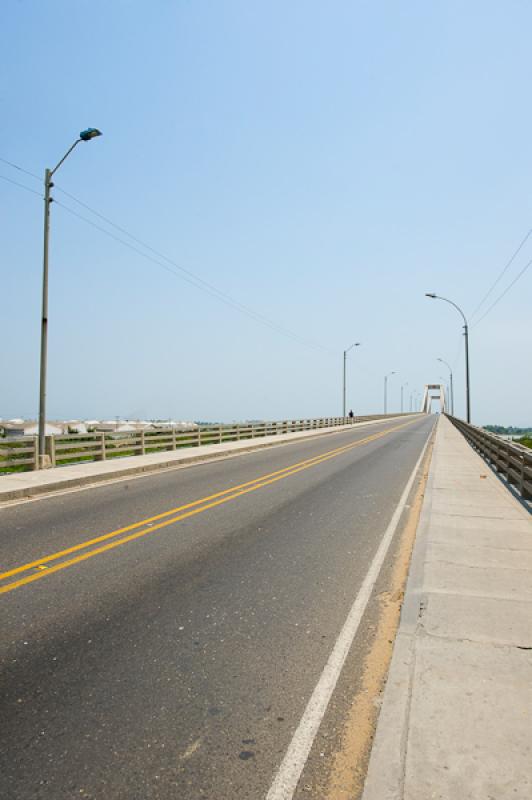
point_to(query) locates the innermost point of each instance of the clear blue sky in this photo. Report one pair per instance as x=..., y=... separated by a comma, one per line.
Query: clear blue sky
x=324, y=164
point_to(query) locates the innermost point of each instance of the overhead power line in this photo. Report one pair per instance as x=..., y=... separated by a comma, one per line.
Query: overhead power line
x=20, y=185
x=519, y=275
x=187, y=275
x=213, y=292
x=170, y=266
x=501, y=275
x=20, y=169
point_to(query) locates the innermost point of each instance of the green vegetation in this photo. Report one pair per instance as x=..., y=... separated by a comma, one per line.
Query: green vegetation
x=526, y=441
x=509, y=431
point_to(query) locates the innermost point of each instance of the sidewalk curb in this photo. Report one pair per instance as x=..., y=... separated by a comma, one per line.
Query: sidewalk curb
x=386, y=770
x=139, y=469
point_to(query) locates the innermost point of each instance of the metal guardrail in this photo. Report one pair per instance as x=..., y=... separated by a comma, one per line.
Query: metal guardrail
x=22, y=453
x=511, y=460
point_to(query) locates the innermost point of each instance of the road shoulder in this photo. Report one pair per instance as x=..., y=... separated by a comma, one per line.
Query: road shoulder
x=350, y=762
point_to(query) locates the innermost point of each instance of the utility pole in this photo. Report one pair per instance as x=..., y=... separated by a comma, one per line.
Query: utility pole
x=386, y=390
x=85, y=136
x=356, y=344
x=44, y=318
x=402, y=387
x=451, y=383
x=466, y=334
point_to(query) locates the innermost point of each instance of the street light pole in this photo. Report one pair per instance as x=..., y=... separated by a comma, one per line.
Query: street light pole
x=451, y=383
x=466, y=334
x=386, y=390
x=44, y=317
x=447, y=393
x=356, y=344
x=85, y=136
x=402, y=387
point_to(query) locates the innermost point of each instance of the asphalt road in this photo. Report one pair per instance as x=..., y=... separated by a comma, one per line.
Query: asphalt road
x=174, y=659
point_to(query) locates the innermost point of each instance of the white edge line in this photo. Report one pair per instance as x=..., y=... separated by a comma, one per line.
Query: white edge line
x=288, y=774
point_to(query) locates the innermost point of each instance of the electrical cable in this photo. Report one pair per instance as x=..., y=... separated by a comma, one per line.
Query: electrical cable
x=197, y=283
x=519, y=275
x=186, y=275
x=20, y=185
x=192, y=277
x=503, y=272
x=20, y=169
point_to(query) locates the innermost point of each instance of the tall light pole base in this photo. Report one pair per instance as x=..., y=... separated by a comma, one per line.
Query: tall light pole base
x=45, y=462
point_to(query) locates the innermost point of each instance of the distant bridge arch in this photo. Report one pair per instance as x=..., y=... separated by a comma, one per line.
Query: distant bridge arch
x=433, y=391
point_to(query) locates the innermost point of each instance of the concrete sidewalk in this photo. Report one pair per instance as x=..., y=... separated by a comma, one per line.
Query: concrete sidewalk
x=29, y=484
x=456, y=718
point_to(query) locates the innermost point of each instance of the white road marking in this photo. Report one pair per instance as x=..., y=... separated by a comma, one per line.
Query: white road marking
x=287, y=777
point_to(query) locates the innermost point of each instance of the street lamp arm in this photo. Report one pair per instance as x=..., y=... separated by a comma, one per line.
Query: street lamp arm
x=439, y=297
x=356, y=344
x=65, y=156
x=84, y=136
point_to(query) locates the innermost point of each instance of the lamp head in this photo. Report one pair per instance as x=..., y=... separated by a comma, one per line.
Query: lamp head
x=430, y=294
x=90, y=133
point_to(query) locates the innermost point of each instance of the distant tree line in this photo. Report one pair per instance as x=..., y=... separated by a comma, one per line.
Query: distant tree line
x=509, y=431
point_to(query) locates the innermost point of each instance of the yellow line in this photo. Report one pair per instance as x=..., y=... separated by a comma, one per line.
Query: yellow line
x=141, y=523
x=201, y=505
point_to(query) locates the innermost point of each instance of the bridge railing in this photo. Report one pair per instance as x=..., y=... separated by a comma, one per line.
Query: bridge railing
x=510, y=459
x=19, y=454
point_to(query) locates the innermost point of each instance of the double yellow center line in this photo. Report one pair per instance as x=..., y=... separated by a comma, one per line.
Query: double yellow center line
x=92, y=547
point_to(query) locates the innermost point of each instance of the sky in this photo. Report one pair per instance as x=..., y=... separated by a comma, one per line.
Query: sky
x=322, y=165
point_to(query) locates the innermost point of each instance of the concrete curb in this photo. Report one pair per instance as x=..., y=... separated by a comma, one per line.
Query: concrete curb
x=31, y=484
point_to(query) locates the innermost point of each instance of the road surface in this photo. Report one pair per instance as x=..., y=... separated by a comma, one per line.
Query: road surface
x=171, y=651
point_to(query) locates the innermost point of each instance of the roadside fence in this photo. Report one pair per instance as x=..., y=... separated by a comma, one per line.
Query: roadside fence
x=512, y=460
x=19, y=454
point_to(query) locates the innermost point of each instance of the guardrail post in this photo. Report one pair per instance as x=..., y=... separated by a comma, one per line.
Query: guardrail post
x=142, y=444
x=505, y=463
x=524, y=491
x=219, y=434
x=35, y=452
x=103, y=455
x=50, y=449
x=174, y=443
